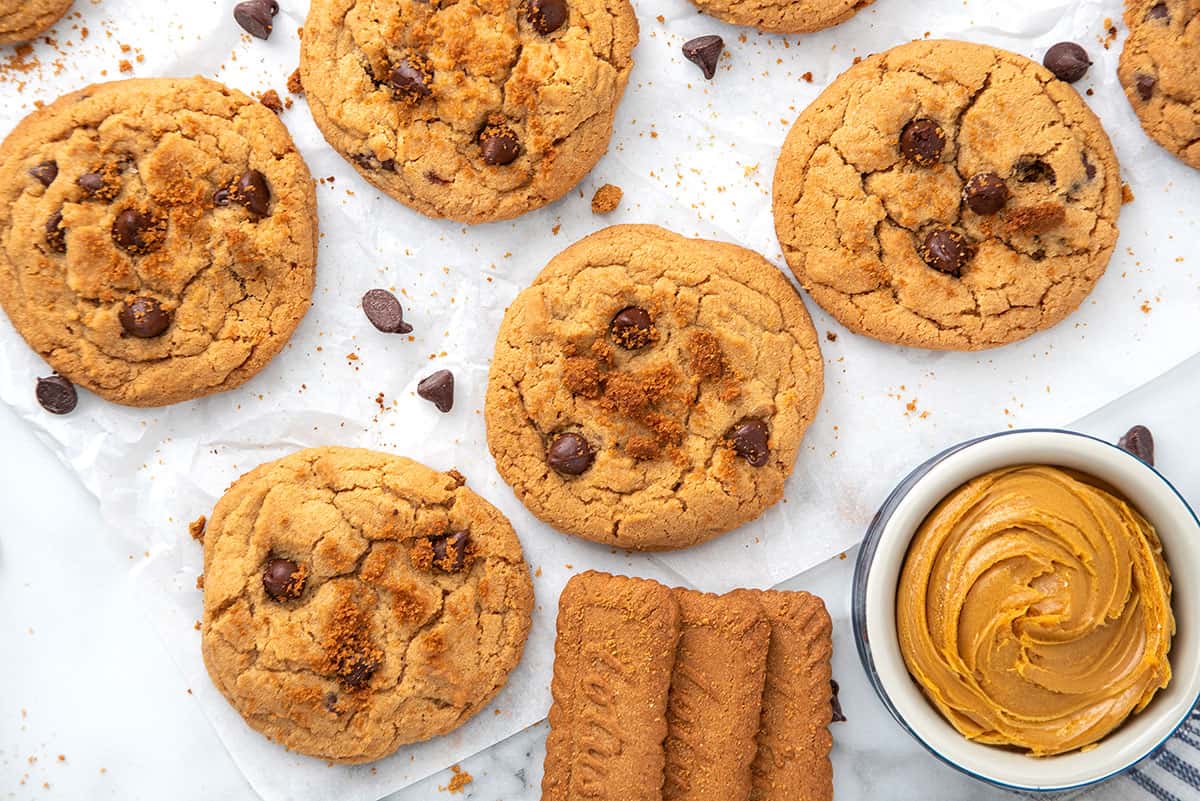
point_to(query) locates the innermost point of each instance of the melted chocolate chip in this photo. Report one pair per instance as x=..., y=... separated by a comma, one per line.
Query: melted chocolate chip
x=750, y=441
x=283, y=580
x=1140, y=442
x=985, y=193
x=384, y=311
x=130, y=229
x=256, y=17
x=632, y=328
x=546, y=16
x=45, y=172
x=946, y=251
x=1031, y=169
x=438, y=389
x=835, y=703
x=1089, y=168
x=91, y=182
x=922, y=142
x=570, y=454
x=358, y=672
x=1159, y=11
x=499, y=145
x=253, y=192
x=144, y=317
x=1145, y=85
x=56, y=394
x=221, y=197
x=450, y=551
x=409, y=81
x=56, y=235
x=704, y=52
x=1068, y=61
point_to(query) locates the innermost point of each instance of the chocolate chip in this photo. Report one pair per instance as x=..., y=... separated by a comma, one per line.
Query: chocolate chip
x=221, y=197
x=985, y=193
x=253, y=192
x=283, y=579
x=385, y=312
x=130, y=229
x=1031, y=169
x=632, y=328
x=438, y=389
x=1089, y=168
x=450, y=551
x=56, y=235
x=1145, y=85
x=1140, y=442
x=1068, y=61
x=922, y=142
x=358, y=672
x=946, y=251
x=749, y=439
x=45, y=172
x=144, y=317
x=704, y=52
x=1158, y=11
x=255, y=16
x=499, y=145
x=546, y=16
x=56, y=394
x=570, y=454
x=91, y=182
x=331, y=700
x=409, y=81
x=837, y=716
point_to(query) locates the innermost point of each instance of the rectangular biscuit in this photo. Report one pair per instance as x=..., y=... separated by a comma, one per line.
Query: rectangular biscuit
x=793, y=739
x=713, y=713
x=612, y=671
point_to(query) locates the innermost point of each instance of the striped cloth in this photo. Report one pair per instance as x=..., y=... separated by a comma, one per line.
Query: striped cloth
x=1172, y=773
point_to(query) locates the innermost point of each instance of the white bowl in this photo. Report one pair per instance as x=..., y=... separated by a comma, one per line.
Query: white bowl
x=874, y=606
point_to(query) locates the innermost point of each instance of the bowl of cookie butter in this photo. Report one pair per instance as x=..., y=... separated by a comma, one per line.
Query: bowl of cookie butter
x=1027, y=606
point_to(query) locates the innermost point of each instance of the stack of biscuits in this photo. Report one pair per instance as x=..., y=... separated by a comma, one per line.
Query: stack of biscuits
x=681, y=695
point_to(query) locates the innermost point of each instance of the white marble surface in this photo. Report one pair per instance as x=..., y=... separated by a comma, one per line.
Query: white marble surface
x=82, y=675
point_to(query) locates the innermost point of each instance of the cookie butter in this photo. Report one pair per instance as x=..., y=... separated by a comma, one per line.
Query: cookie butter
x=1034, y=610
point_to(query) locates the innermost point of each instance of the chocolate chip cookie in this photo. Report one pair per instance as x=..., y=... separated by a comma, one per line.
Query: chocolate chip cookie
x=157, y=237
x=650, y=391
x=21, y=20
x=783, y=16
x=356, y=601
x=1158, y=71
x=947, y=195
x=474, y=110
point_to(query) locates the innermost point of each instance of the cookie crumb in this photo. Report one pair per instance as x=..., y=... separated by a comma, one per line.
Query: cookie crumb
x=1126, y=194
x=294, y=84
x=270, y=99
x=831, y=336
x=606, y=199
x=200, y=581
x=196, y=528
x=458, y=781
x=807, y=77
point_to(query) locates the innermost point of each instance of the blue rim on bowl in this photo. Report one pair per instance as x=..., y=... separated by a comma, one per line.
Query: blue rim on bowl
x=859, y=614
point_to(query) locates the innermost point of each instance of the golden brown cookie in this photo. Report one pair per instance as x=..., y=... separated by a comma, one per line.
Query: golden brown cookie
x=475, y=110
x=650, y=391
x=947, y=195
x=792, y=761
x=157, y=237
x=1158, y=70
x=21, y=20
x=612, y=670
x=716, y=697
x=356, y=601
x=783, y=16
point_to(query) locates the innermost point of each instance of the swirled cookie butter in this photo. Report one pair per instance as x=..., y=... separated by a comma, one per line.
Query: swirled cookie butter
x=1034, y=610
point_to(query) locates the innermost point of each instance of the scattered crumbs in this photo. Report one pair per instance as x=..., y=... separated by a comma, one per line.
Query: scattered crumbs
x=1146, y=307
x=661, y=19
x=196, y=528
x=189, y=690
x=858, y=59
x=458, y=781
x=62, y=757
x=124, y=65
x=1126, y=193
x=294, y=85
x=1110, y=33
x=807, y=77
x=537, y=573
x=606, y=199
x=556, y=229
x=270, y=99
x=831, y=336
x=200, y=581
x=351, y=357
x=749, y=170
x=196, y=625
x=842, y=555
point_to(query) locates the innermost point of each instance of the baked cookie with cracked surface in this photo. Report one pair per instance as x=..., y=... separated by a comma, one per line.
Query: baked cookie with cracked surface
x=947, y=195
x=157, y=237
x=650, y=391
x=783, y=16
x=474, y=110
x=1158, y=71
x=22, y=20
x=356, y=601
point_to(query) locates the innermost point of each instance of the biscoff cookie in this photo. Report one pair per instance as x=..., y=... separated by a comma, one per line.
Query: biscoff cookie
x=715, y=704
x=783, y=16
x=356, y=601
x=793, y=741
x=158, y=237
x=616, y=645
x=947, y=195
x=474, y=110
x=650, y=391
x=21, y=20
x=1158, y=71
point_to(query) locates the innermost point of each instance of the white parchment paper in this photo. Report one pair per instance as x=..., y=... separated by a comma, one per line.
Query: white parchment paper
x=692, y=155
